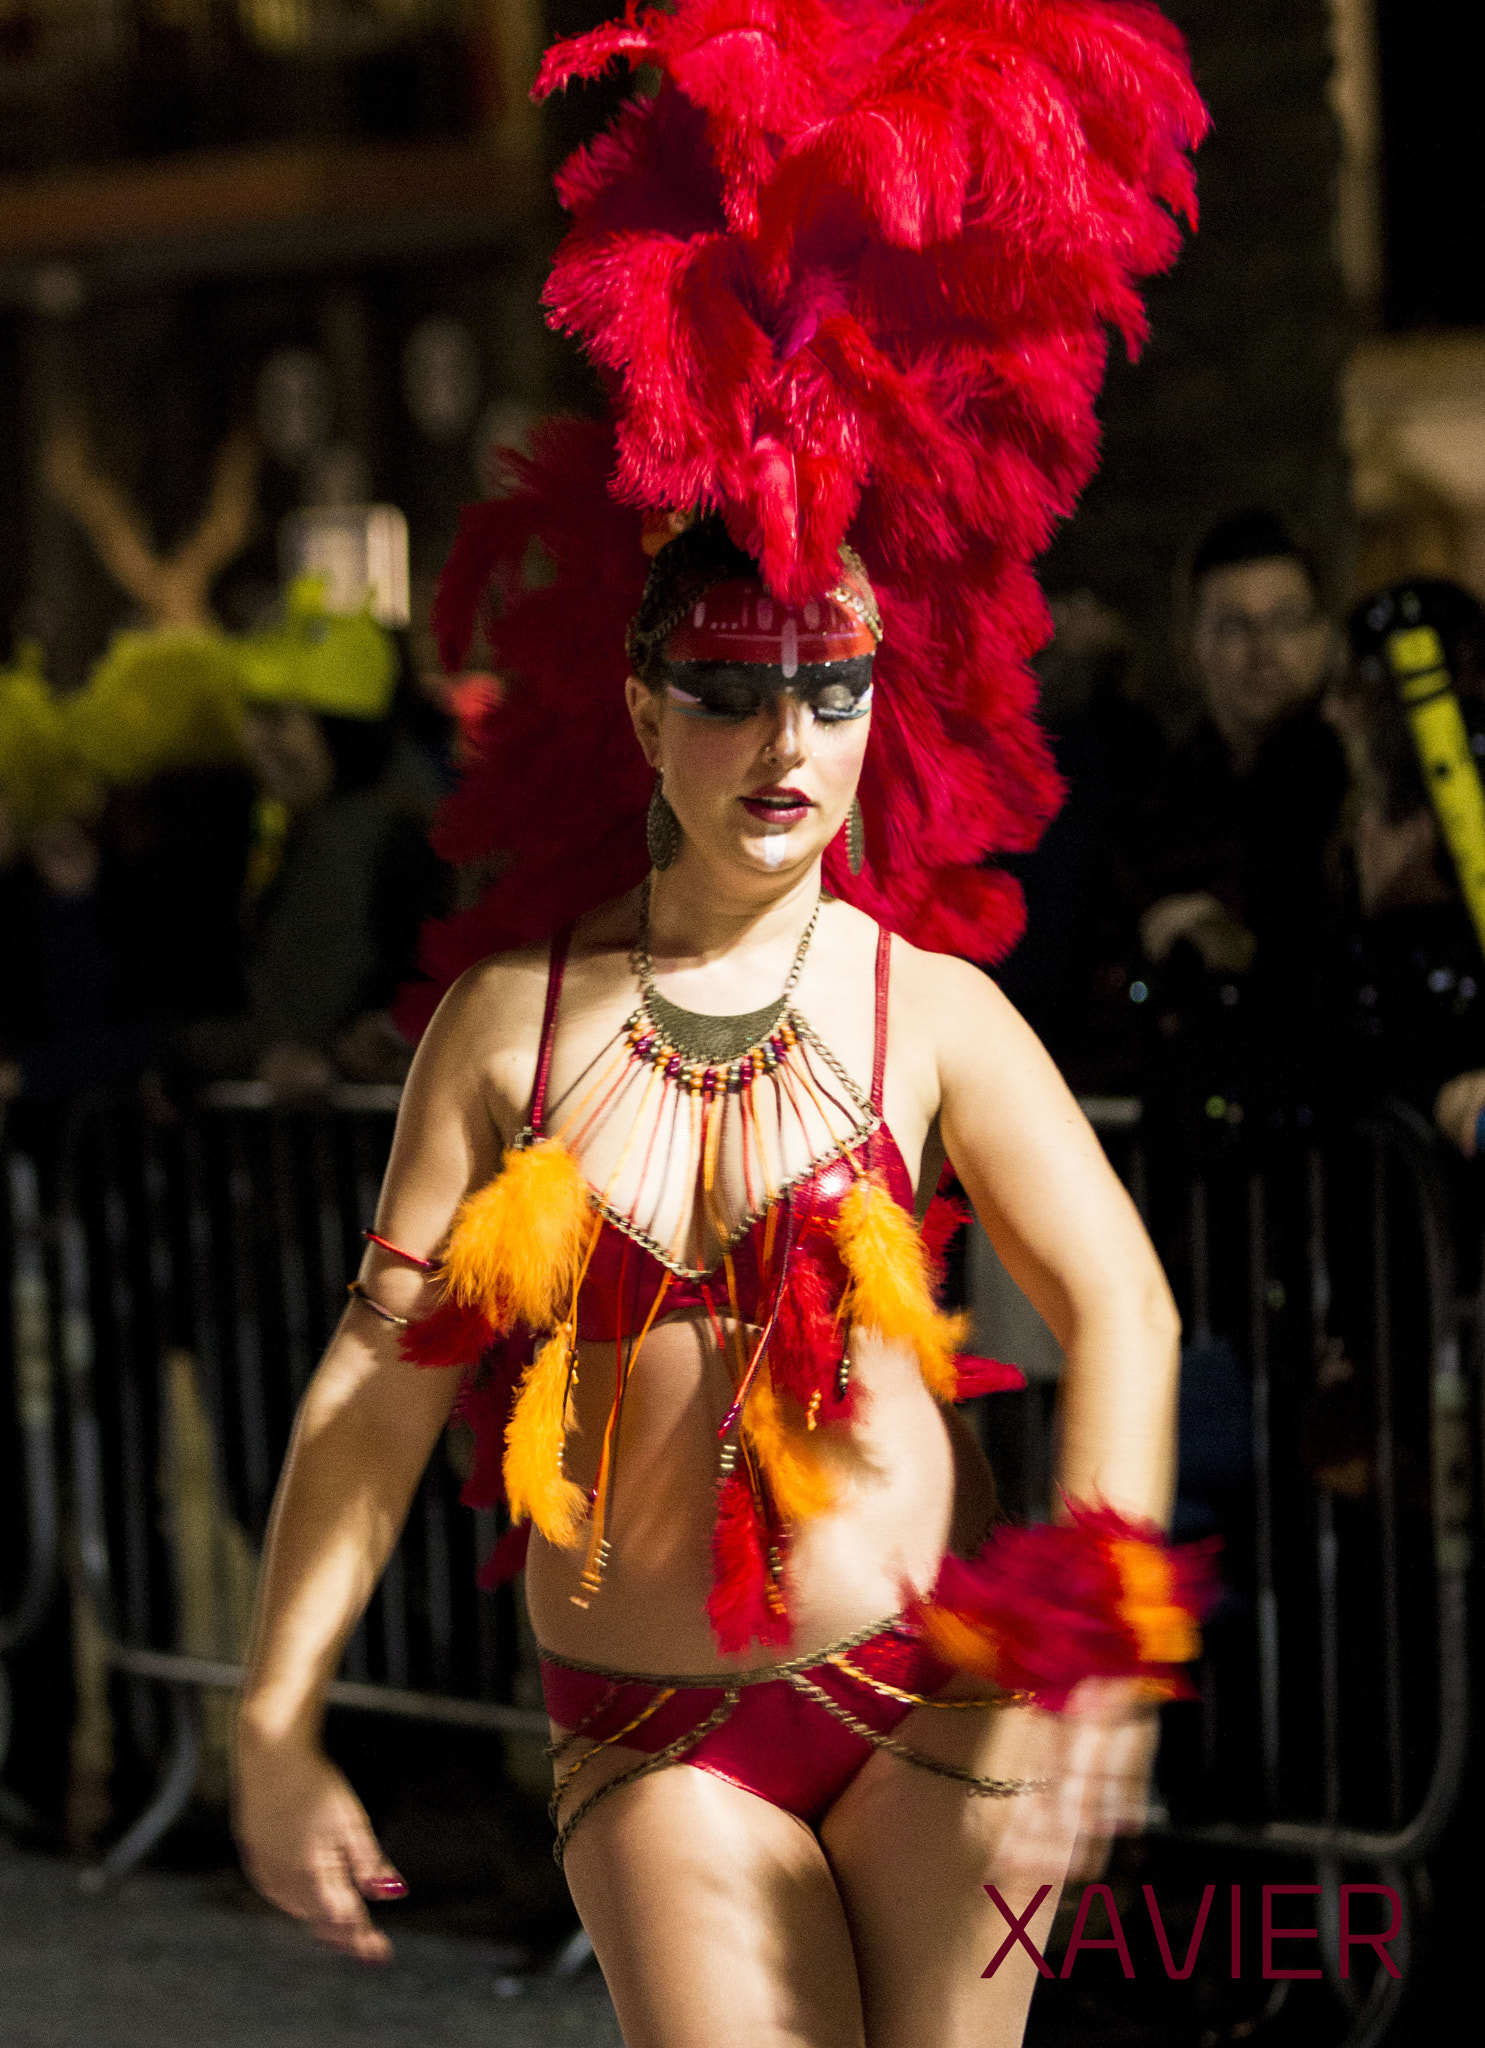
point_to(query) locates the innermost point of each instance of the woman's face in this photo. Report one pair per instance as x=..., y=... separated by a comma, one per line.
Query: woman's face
x=759, y=773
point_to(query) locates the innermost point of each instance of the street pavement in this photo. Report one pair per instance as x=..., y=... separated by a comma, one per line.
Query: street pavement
x=168, y=1960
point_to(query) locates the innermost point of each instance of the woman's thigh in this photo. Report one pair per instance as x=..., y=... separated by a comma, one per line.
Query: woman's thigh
x=714, y=1916
x=912, y=1854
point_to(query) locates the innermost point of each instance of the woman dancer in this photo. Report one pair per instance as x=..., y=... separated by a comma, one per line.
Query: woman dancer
x=657, y=1174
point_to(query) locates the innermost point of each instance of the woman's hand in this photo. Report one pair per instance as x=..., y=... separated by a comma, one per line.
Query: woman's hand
x=1457, y=1109
x=1095, y=1758
x=308, y=1847
x=1112, y=1734
x=1225, y=946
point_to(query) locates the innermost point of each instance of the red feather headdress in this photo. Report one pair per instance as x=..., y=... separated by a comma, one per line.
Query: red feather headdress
x=848, y=273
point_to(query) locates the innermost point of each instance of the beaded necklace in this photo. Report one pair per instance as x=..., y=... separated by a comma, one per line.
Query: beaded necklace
x=692, y=1035
x=719, y=1116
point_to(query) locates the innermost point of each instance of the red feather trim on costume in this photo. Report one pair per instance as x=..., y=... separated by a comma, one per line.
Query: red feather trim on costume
x=848, y=273
x=506, y=1557
x=484, y=1406
x=1099, y=1596
x=804, y=1349
x=986, y=1376
x=451, y=1335
x=946, y=1216
x=738, y=1602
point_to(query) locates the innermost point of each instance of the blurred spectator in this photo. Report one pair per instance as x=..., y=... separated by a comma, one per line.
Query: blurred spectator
x=341, y=876
x=158, y=724
x=66, y=1023
x=1233, y=861
x=1405, y=989
x=1410, y=1006
x=1070, y=974
x=179, y=846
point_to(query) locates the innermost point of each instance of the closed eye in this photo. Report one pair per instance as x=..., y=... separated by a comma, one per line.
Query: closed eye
x=730, y=707
x=835, y=705
x=730, y=693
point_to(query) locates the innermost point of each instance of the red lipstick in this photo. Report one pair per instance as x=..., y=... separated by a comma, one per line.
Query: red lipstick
x=778, y=805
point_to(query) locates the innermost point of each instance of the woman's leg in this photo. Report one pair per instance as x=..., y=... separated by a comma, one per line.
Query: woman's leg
x=713, y=1914
x=912, y=1854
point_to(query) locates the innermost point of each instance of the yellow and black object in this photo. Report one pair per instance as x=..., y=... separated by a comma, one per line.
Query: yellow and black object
x=1420, y=672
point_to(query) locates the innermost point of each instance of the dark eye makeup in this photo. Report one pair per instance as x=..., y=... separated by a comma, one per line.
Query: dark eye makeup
x=836, y=691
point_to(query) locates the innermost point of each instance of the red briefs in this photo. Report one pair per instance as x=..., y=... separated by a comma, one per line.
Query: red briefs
x=784, y=1731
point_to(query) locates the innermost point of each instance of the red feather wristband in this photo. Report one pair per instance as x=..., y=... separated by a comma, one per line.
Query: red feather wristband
x=1098, y=1596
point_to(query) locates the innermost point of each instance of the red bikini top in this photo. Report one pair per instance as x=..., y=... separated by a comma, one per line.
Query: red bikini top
x=624, y=1277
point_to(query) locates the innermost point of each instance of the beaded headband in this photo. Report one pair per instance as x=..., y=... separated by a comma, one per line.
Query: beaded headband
x=738, y=621
x=713, y=606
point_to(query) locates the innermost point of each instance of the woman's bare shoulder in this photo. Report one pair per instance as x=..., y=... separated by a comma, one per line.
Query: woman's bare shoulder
x=492, y=1002
x=480, y=1046
x=974, y=1036
x=848, y=935
x=949, y=991
x=484, y=1037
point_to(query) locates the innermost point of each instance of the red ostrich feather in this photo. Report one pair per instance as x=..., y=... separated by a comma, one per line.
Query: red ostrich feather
x=849, y=274
x=738, y=1602
x=806, y=1344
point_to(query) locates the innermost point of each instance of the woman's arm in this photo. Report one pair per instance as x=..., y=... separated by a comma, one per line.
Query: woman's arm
x=1069, y=1235
x=1070, y=1238
x=363, y=1434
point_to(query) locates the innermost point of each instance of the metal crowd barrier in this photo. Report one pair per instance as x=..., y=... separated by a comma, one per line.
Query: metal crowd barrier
x=185, y=1276
x=33, y=1539
x=1327, y=1431
x=197, y=1269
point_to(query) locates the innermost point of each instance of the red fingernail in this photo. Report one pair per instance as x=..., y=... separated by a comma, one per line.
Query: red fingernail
x=385, y=1888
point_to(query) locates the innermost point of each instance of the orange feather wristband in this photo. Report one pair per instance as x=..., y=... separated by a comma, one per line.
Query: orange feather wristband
x=1039, y=1609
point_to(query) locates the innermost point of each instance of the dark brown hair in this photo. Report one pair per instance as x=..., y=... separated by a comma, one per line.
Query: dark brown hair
x=680, y=575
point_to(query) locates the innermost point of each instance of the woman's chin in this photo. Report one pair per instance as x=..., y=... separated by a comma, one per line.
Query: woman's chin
x=776, y=853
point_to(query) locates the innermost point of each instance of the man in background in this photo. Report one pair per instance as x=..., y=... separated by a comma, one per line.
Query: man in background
x=1233, y=863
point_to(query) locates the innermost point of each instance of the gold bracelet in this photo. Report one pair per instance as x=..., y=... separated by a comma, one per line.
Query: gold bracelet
x=358, y=1293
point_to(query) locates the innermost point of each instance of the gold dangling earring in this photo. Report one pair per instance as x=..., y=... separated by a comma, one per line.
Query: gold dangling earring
x=662, y=828
x=855, y=837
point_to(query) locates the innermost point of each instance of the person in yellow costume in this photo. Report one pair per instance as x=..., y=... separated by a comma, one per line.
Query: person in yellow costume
x=328, y=864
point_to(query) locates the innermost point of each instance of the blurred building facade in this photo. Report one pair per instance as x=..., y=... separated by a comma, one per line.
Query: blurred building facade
x=328, y=220
x=1320, y=348
x=1236, y=399
x=321, y=220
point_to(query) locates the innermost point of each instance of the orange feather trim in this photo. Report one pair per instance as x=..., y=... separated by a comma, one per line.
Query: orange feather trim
x=889, y=1284
x=535, y=1484
x=798, y=1483
x=1149, y=1604
x=517, y=1242
x=968, y=1646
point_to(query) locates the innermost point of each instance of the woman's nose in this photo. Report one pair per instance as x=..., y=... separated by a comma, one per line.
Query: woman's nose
x=786, y=733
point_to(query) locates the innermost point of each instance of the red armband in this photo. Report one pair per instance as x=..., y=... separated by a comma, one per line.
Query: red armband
x=1098, y=1596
